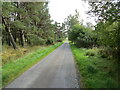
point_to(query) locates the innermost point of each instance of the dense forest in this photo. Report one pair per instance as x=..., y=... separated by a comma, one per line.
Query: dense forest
x=29, y=23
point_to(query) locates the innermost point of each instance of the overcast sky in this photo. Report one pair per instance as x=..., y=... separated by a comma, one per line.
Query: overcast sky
x=60, y=9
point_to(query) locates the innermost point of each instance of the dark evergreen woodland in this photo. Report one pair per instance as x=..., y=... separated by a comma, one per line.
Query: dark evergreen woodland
x=28, y=23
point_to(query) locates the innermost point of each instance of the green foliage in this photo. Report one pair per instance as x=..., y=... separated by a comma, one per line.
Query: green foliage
x=91, y=69
x=92, y=52
x=18, y=24
x=81, y=36
x=50, y=40
x=106, y=33
x=28, y=23
x=108, y=25
x=7, y=8
x=37, y=40
x=104, y=56
x=106, y=11
x=107, y=30
x=95, y=71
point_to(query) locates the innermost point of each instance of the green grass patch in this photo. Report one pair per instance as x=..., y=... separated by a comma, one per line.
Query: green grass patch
x=13, y=69
x=96, y=72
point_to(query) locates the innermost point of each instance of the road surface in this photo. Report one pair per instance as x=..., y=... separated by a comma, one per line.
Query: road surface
x=57, y=70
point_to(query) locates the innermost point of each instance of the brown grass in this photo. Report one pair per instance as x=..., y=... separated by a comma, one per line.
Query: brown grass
x=9, y=54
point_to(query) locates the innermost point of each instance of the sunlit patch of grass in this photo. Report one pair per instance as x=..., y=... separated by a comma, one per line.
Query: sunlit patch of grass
x=96, y=72
x=15, y=68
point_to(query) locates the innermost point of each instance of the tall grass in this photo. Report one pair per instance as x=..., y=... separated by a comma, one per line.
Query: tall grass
x=13, y=69
x=96, y=72
x=9, y=54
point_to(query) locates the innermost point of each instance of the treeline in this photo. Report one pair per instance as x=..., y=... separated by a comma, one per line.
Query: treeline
x=80, y=35
x=28, y=23
x=107, y=30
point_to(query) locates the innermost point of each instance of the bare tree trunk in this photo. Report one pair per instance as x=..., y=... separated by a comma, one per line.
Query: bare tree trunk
x=12, y=39
x=7, y=28
x=21, y=37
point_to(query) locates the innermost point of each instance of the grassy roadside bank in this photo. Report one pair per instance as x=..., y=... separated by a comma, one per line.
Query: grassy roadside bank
x=9, y=54
x=13, y=69
x=96, y=71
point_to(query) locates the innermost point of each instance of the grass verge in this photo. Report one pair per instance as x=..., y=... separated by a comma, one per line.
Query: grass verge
x=9, y=54
x=95, y=71
x=13, y=69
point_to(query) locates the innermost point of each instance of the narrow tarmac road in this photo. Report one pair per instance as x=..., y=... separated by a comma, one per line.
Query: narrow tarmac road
x=57, y=70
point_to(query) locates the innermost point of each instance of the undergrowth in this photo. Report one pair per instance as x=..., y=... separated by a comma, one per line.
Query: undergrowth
x=95, y=71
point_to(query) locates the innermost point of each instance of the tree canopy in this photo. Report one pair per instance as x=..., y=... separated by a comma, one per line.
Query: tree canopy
x=107, y=29
x=28, y=23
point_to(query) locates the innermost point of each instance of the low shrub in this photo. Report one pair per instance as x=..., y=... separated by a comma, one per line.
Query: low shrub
x=104, y=56
x=91, y=69
x=90, y=54
x=50, y=41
